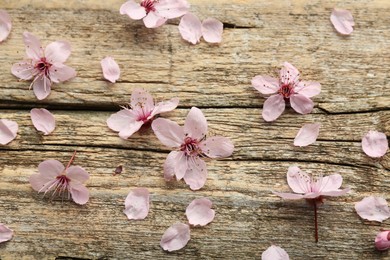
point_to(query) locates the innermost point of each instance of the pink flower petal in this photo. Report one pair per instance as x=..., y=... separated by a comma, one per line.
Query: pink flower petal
x=121, y=120
x=199, y=212
x=153, y=21
x=57, y=52
x=373, y=209
x=41, y=87
x=60, y=72
x=331, y=183
x=165, y=106
x=298, y=180
x=274, y=253
x=335, y=193
x=289, y=74
x=5, y=25
x=43, y=120
x=168, y=132
x=273, y=107
x=137, y=204
x=80, y=193
x=190, y=28
x=375, y=144
x=288, y=196
x=301, y=103
x=307, y=134
x=140, y=96
x=382, y=240
x=34, y=49
x=212, y=30
x=175, y=165
x=130, y=129
x=133, y=10
x=217, y=147
x=24, y=70
x=111, y=70
x=175, y=237
x=8, y=131
x=342, y=21
x=77, y=173
x=171, y=8
x=308, y=88
x=5, y=233
x=48, y=171
x=196, y=174
x=196, y=124
x=265, y=85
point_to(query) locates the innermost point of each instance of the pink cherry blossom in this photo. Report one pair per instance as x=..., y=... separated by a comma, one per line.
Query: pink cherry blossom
x=111, y=70
x=137, y=204
x=192, y=29
x=5, y=25
x=175, y=237
x=8, y=131
x=43, y=120
x=44, y=65
x=191, y=146
x=54, y=177
x=5, y=233
x=307, y=134
x=199, y=212
x=375, y=144
x=342, y=21
x=274, y=253
x=287, y=89
x=382, y=240
x=142, y=111
x=154, y=12
x=373, y=208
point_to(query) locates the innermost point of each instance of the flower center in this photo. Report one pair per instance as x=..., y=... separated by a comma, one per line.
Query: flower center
x=148, y=5
x=143, y=112
x=286, y=90
x=43, y=66
x=191, y=147
x=62, y=180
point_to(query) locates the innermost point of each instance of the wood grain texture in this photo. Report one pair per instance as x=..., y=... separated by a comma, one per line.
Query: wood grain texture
x=258, y=37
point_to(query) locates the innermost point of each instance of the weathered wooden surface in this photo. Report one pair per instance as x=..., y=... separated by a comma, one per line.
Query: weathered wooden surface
x=258, y=37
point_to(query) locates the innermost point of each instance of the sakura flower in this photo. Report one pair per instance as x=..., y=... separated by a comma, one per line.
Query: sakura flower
x=44, y=65
x=111, y=70
x=175, y=237
x=191, y=29
x=54, y=177
x=5, y=233
x=43, y=120
x=191, y=145
x=373, y=208
x=154, y=12
x=5, y=25
x=137, y=204
x=8, y=130
x=307, y=134
x=375, y=144
x=382, y=240
x=342, y=21
x=313, y=190
x=199, y=212
x=274, y=253
x=141, y=112
x=287, y=89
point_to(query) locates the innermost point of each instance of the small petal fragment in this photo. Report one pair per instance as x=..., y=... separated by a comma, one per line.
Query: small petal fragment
x=342, y=21
x=5, y=25
x=274, y=253
x=307, y=135
x=375, y=144
x=373, y=209
x=212, y=30
x=111, y=70
x=382, y=240
x=43, y=120
x=199, y=212
x=175, y=237
x=8, y=130
x=190, y=28
x=5, y=233
x=137, y=204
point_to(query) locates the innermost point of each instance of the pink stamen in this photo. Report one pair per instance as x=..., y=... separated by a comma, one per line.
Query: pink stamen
x=148, y=5
x=191, y=147
x=286, y=90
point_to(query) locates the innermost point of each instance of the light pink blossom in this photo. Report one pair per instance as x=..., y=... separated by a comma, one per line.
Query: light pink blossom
x=373, y=208
x=43, y=120
x=342, y=21
x=192, y=29
x=5, y=25
x=8, y=131
x=375, y=144
x=382, y=240
x=137, y=204
x=111, y=70
x=192, y=145
x=175, y=237
x=199, y=212
x=154, y=12
x=142, y=112
x=287, y=89
x=274, y=253
x=44, y=65
x=5, y=233
x=307, y=134
x=54, y=177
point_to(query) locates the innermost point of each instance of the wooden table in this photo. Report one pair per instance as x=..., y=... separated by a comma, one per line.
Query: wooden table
x=259, y=36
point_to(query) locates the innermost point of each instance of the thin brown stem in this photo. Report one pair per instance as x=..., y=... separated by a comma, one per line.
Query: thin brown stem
x=315, y=222
x=71, y=160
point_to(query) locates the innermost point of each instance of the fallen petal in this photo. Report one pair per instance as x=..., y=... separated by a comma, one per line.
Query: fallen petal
x=43, y=120
x=111, y=70
x=342, y=21
x=212, y=30
x=5, y=25
x=175, y=237
x=190, y=28
x=199, y=212
x=382, y=240
x=8, y=130
x=373, y=209
x=137, y=204
x=307, y=134
x=375, y=144
x=274, y=253
x=5, y=233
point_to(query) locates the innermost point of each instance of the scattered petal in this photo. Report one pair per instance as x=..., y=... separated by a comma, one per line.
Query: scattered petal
x=111, y=70
x=175, y=237
x=373, y=209
x=190, y=28
x=382, y=240
x=8, y=130
x=342, y=21
x=307, y=134
x=5, y=233
x=375, y=144
x=274, y=253
x=5, y=25
x=212, y=30
x=137, y=204
x=199, y=212
x=43, y=120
